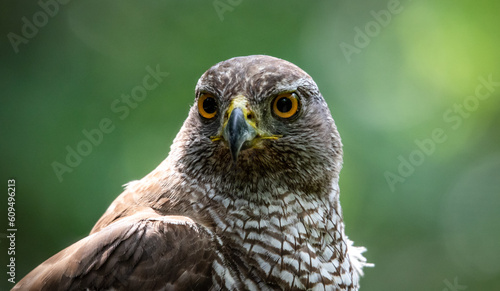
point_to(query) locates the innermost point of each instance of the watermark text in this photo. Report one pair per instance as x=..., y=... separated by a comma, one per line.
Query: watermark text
x=94, y=137
x=453, y=118
x=11, y=230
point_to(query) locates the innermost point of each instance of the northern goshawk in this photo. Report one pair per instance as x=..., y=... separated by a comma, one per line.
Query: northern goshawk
x=247, y=199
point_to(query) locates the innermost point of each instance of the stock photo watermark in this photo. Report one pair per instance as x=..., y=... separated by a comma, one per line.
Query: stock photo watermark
x=11, y=230
x=223, y=6
x=364, y=35
x=31, y=26
x=453, y=117
x=121, y=108
x=453, y=287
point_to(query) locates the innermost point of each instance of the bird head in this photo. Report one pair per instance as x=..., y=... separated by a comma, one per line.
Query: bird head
x=240, y=129
x=259, y=117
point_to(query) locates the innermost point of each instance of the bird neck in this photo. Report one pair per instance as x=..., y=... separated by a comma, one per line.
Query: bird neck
x=264, y=239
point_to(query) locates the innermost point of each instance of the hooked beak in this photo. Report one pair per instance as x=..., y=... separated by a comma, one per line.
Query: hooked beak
x=238, y=131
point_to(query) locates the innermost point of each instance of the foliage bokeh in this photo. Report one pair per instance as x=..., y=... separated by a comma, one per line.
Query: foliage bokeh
x=436, y=225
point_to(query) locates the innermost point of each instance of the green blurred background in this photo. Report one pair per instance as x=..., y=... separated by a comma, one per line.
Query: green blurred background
x=436, y=228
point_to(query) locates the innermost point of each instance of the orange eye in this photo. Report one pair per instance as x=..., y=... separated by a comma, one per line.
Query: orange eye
x=207, y=106
x=286, y=105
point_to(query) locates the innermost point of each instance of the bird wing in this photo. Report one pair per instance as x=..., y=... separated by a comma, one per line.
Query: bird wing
x=140, y=252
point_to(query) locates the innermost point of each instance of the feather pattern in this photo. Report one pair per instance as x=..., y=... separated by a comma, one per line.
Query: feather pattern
x=200, y=221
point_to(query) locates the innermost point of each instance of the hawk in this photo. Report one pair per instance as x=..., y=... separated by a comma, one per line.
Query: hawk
x=247, y=199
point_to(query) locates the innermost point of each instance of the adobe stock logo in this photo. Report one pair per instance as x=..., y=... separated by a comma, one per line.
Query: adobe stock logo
x=30, y=27
x=455, y=286
x=371, y=29
x=222, y=7
x=453, y=117
x=94, y=137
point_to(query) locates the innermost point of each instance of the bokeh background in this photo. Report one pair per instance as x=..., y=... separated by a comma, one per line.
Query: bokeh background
x=392, y=72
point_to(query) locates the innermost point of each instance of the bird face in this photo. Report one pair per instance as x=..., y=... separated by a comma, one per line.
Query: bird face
x=260, y=113
x=240, y=129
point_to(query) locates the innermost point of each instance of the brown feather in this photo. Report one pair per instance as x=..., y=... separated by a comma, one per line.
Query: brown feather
x=144, y=251
x=270, y=219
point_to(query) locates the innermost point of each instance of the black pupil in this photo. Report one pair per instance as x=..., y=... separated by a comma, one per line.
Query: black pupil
x=284, y=105
x=209, y=105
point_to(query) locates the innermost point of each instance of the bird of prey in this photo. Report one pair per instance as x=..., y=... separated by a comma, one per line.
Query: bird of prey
x=247, y=199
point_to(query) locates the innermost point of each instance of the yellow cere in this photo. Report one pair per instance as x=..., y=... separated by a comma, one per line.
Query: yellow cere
x=241, y=102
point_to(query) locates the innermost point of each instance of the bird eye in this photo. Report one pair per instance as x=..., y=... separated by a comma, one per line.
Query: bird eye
x=207, y=106
x=286, y=105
